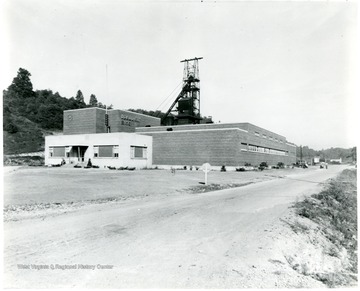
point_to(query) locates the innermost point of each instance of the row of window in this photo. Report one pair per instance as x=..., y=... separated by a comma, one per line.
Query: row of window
x=253, y=148
x=103, y=151
x=269, y=137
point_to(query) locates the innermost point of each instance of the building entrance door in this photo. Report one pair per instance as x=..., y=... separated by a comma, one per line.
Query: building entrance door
x=80, y=151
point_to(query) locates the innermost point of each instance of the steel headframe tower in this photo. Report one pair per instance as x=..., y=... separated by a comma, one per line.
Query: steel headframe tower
x=188, y=101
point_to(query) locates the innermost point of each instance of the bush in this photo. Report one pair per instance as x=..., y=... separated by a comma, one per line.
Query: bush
x=10, y=127
x=223, y=169
x=240, y=169
x=281, y=165
x=25, y=160
x=263, y=165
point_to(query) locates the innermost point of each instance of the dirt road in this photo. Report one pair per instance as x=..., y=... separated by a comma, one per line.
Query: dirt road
x=226, y=239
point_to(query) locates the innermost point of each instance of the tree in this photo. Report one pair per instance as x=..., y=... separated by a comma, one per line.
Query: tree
x=50, y=116
x=20, y=90
x=100, y=105
x=104, y=106
x=21, y=84
x=353, y=154
x=93, y=101
x=156, y=113
x=80, y=99
x=8, y=123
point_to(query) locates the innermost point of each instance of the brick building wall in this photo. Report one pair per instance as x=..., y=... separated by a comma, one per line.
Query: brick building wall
x=195, y=147
x=218, y=144
x=92, y=120
x=80, y=121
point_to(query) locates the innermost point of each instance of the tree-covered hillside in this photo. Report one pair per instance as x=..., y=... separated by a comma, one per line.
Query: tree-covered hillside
x=156, y=113
x=306, y=153
x=28, y=115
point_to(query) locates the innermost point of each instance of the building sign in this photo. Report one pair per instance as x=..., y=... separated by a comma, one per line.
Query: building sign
x=128, y=120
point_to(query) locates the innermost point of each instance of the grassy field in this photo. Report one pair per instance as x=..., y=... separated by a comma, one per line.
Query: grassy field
x=29, y=185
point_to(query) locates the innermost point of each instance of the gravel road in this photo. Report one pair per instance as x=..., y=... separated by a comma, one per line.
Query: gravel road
x=225, y=239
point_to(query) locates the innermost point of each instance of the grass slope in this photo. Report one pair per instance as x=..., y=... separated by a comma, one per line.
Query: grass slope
x=30, y=137
x=334, y=212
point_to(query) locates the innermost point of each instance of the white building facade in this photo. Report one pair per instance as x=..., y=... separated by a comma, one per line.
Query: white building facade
x=119, y=149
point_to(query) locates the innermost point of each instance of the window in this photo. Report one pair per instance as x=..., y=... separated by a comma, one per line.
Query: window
x=106, y=151
x=96, y=151
x=277, y=152
x=67, y=151
x=244, y=148
x=257, y=133
x=137, y=152
x=264, y=135
x=254, y=148
x=57, y=152
x=116, y=151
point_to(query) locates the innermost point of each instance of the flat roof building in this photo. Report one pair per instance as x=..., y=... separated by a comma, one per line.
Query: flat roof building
x=229, y=144
x=125, y=138
x=118, y=149
x=92, y=120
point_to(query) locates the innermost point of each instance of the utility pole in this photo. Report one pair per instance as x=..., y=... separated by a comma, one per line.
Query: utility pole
x=107, y=100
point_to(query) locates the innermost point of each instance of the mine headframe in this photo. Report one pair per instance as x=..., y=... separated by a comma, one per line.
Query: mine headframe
x=186, y=107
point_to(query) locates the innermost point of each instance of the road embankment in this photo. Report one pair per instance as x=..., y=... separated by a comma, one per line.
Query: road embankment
x=323, y=244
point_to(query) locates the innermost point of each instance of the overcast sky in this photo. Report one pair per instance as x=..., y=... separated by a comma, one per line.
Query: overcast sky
x=286, y=66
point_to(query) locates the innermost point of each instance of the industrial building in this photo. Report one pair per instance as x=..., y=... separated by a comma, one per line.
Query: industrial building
x=229, y=144
x=121, y=138
x=138, y=140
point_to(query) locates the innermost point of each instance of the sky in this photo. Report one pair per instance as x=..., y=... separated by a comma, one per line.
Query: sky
x=287, y=66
